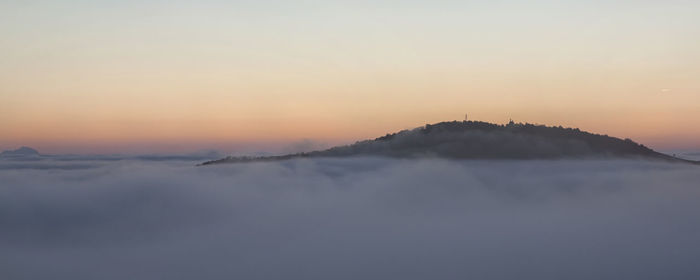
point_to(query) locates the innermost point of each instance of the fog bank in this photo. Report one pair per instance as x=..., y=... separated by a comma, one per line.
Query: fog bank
x=357, y=218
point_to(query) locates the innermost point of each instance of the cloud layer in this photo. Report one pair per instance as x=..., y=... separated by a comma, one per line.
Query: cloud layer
x=362, y=218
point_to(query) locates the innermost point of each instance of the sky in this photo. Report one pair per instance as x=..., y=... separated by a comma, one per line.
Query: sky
x=178, y=76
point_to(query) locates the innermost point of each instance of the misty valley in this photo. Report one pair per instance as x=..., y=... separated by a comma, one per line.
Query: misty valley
x=349, y=218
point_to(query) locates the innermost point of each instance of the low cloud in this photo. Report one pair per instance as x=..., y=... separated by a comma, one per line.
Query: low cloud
x=361, y=218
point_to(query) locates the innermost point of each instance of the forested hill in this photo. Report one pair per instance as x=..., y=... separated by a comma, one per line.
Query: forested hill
x=481, y=140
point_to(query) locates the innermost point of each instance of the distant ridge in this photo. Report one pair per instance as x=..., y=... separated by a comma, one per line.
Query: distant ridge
x=482, y=140
x=21, y=152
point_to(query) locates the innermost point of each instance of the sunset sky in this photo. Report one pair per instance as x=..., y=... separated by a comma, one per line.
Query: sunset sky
x=181, y=76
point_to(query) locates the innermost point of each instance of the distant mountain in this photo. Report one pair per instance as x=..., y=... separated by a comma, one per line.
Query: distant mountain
x=481, y=140
x=21, y=152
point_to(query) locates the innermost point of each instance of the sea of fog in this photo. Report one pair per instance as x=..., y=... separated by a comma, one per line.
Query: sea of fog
x=359, y=218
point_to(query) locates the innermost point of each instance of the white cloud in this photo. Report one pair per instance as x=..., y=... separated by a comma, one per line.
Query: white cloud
x=363, y=218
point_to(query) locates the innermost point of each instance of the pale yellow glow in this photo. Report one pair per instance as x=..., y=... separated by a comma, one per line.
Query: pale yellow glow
x=88, y=79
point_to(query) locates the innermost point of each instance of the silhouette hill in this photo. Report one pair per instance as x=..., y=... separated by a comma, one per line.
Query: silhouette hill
x=21, y=152
x=482, y=140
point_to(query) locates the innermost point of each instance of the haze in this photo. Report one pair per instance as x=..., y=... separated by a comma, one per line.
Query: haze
x=359, y=218
x=173, y=76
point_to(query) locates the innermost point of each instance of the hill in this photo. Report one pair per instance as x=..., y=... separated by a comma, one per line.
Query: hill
x=21, y=152
x=481, y=140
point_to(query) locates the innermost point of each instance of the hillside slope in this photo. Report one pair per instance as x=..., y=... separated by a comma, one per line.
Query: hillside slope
x=481, y=140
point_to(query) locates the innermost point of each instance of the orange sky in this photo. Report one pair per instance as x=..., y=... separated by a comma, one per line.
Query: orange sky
x=122, y=77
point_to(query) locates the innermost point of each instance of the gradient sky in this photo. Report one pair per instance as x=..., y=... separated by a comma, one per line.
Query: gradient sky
x=176, y=76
